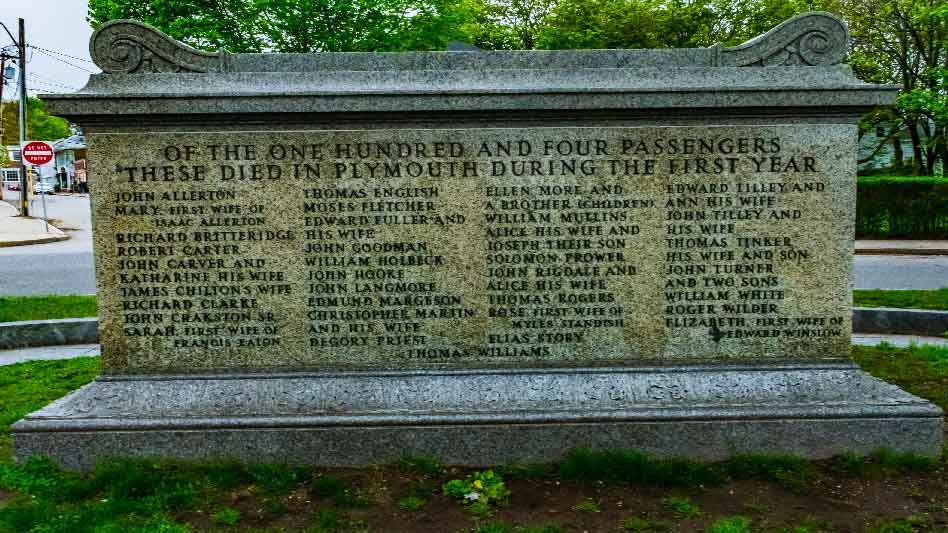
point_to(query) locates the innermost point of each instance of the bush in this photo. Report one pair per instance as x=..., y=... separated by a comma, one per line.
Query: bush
x=478, y=491
x=912, y=207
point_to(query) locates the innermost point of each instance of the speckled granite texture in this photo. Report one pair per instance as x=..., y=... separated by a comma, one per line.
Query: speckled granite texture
x=482, y=418
x=48, y=332
x=634, y=267
x=680, y=375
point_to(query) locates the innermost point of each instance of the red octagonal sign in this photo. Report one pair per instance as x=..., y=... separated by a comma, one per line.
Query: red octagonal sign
x=38, y=152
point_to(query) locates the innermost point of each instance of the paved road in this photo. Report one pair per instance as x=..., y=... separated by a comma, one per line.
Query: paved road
x=56, y=268
x=901, y=272
x=67, y=267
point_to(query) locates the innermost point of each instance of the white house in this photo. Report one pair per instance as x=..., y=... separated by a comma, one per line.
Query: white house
x=66, y=172
x=69, y=167
x=11, y=173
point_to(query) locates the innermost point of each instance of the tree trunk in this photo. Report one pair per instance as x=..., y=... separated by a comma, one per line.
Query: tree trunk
x=929, y=151
x=897, y=150
x=942, y=149
x=916, y=146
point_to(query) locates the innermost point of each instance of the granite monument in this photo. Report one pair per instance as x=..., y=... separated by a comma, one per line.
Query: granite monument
x=487, y=256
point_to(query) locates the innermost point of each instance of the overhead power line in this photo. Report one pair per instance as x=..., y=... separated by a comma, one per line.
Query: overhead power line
x=47, y=50
x=44, y=78
x=40, y=81
x=61, y=60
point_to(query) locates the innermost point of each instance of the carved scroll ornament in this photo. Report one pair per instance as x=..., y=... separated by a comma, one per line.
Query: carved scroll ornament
x=813, y=39
x=129, y=46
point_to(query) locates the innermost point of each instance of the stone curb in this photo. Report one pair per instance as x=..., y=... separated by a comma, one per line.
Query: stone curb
x=900, y=321
x=44, y=240
x=29, y=333
x=902, y=251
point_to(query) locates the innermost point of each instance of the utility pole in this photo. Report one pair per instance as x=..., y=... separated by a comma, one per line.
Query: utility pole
x=3, y=82
x=24, y=183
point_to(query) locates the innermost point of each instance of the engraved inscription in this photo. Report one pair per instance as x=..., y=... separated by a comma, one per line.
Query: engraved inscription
x=416, y=247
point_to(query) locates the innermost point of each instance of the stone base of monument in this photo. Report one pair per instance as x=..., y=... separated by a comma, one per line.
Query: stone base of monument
x=482, y=417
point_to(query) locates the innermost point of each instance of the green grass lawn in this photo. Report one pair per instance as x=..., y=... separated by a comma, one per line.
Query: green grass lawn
x=936, y=299
x=750, y=493
x=921, y=370
x=14, y=308
x=902, y=179
x=26, y=387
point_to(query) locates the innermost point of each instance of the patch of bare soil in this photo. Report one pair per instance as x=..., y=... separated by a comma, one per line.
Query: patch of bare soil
x=829, y=503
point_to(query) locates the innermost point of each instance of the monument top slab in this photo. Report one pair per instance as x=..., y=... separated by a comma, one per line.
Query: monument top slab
x=809, y=39
x=796, y=64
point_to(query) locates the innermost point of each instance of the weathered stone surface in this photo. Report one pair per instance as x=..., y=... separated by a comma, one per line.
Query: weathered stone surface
x=48, y=332
x=481, y=246
x=487, y=256
x=484, y=417
x=903, y=321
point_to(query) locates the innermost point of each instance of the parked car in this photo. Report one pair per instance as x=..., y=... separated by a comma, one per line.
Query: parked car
x=43, y=187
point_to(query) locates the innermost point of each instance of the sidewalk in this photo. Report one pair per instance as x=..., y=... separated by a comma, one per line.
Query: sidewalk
x=9, y=357
x=19, y=231
x=902, y=247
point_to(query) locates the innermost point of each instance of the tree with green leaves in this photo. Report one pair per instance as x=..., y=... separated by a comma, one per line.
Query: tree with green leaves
x=905, y=42
x=40, y=126
x=295, y=25
x=668, y=23
x=895, y=41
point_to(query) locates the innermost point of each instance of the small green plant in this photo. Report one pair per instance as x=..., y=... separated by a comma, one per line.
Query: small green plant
x=227, y=517
x=792, y=473
x=903, y=463
x=587, y=505
x=682, y=507
x=422, y=489
x=412, y=503
x=493, y=527
x=810, y=525
x=479, y=491
x=909, y=524
x=277, y=479
x=421, y=464
x=850, y=464
x=882, y=462
x=752, y=507
x=733, y=524
x=621, y=467
x=528, y=471
x=326, y=520
x=275, y=506
x=331, y=487
x=644, y=524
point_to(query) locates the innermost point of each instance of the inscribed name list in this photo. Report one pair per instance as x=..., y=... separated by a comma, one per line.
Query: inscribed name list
x=463, y=247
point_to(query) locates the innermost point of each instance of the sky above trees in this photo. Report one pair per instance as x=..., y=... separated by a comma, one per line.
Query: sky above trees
x=58, y=26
